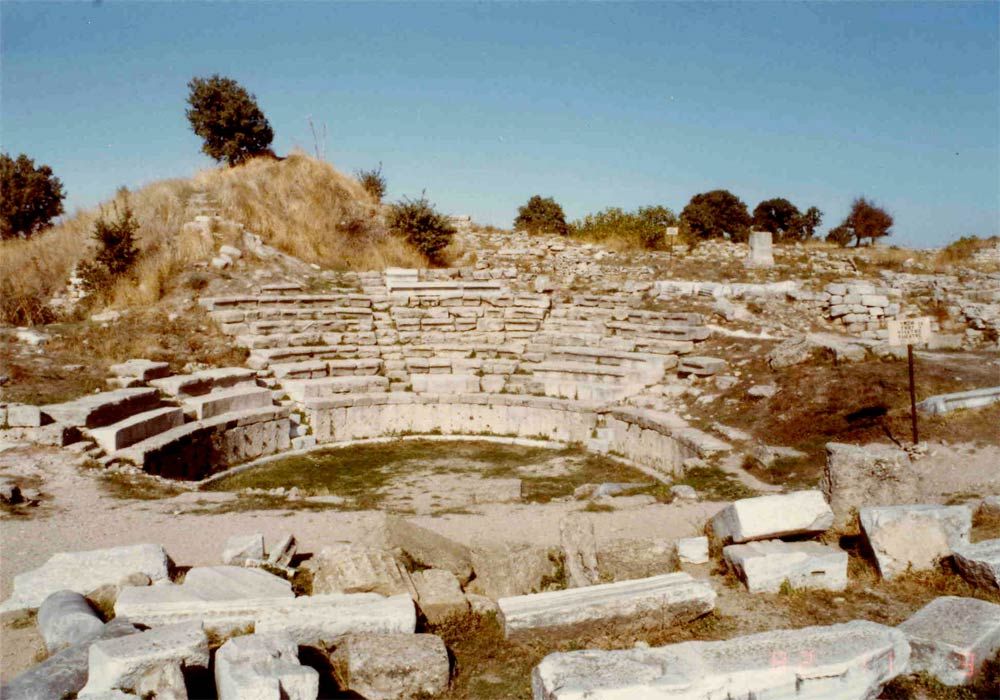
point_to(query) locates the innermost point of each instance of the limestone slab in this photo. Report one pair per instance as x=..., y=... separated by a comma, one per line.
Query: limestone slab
x=505, y=569
x=765, y=565
x=659, y=600
x=315, y=620
x=350, y=567
x=241, y=548
x=124, y=663
x=104, y=408
x=951, y=637
x=137, y=427
x=263, y=667
x=979, y=563
x=851, y=661
x=240, y=398
x=692, y=550
x=392, y=666
x=913, y=536
x=439, y=595
x=84, y=571
x=576, y=534
x=428, y=548
x=769, y=517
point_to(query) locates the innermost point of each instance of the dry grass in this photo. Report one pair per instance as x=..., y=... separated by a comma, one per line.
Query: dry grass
x=300, y=205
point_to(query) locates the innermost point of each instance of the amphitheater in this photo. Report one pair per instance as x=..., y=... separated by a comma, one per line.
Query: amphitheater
x=640, y=587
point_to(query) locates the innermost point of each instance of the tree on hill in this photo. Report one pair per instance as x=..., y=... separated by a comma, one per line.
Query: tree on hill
x=866, y=220
x=30, y=197
x=541, y=215
x=716, y=214
x=422, y=225
x=785, y=221
x=227, y=118
x=116, y=249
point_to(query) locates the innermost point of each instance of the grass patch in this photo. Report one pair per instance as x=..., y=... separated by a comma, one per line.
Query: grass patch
x=362, y=473
x=714, y=484
x=136, y=487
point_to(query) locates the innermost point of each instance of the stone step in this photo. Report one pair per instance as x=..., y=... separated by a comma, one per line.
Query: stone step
x=311, y=369
x=198, y=447
x=324, y=387
x=291, y=300
x=262, y=358
x=198, y=383
x=445, y=383
x=215, y=403
x=658, y=601
x=279, y=340
x=851, y=661
x=137, y=428
x=140, y=369
x=666, y=331
x=104, y=408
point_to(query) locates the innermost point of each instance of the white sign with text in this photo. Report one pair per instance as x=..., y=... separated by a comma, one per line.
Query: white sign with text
x=910, y=331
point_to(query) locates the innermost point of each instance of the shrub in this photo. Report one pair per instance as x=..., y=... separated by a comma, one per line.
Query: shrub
x=716, y=214
x=785, y=221
x=373, y=182
x=866, y=220
x=228, y=120
x=32, y=197
x=643, y=228
x=116, y=251
x=421, y=225
x=840, y=235
x=541, y=215
x=964, y=248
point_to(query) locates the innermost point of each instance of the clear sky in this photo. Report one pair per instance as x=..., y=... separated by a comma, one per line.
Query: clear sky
x=483, y=105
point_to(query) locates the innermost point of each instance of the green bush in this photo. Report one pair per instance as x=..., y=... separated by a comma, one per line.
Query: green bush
x=228, y=120
x=716, y=214
x=31, y=197
x=541, y=215
x=424, y=227
x=644, y=228
x=373, y=181
x=116, y=251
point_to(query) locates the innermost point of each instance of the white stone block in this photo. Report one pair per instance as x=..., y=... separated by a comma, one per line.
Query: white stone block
x=979, y=563
x=319, y=619
x=692, y=550
x=66, y=618
x=263, y=667
x=848, y=662
x=84, y=571
x=240, y=548
x=668, y=599
x=914, y=536
x=392, y=666
x=765, y=565
x=950, y=638
x=123, y=663
x=769, y=517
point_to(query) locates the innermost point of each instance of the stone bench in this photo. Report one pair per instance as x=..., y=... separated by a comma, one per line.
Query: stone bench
x=202, y=382
x=137, y=428
x=851, y=661
x=104, y=408
x=263, y=358
x=670, y=599
x=305, y=389
x=238, y=398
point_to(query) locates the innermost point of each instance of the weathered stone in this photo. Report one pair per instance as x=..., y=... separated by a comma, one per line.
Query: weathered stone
x=791, y=352
x=979, y=563
x=576, y=533
x=263, y=667
x=124, y=663
x=84, y=571
x=768, y=517
x=950, y=638
x=22, y=415
x=439, y=595
x=761, y=253
x=626, y=559
x=428, y=548
x=140, y=369
x=317, y=620
x=65, y=618
x=283, y=552
x=242, y=548
x=660, y=600
x=692, y=550
x=849, y=662
x=10, y=492
x=136, y=428
x=855, y=477
x=914, y=536
x=347, y=567
x=105, y=408
x=764, y=566
x=391, y=666
x=509, y=569
x=63, y=674
x=701, y=366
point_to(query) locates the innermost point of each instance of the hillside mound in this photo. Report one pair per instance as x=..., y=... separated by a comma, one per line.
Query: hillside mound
x=298, y=204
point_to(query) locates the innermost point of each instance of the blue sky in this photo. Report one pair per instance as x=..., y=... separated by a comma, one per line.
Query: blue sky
x=483, y=105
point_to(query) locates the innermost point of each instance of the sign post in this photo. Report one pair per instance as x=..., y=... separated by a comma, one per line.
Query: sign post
x=672, y=233
x=908, y=332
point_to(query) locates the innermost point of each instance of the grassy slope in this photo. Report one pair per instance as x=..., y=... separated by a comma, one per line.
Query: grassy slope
x=300, y=205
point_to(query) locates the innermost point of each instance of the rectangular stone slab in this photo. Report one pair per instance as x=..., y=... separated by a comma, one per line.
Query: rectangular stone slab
x=848, y=662
x=137, y=427
x=979, y=563
x=241, y=398
x=770, y=517
x=96, y=410
x=765, y=565
x=952, y=637
x=913, y=536
x=659, y=600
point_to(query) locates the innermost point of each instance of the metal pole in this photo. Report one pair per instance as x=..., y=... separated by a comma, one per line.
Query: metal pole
x=913, y=395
